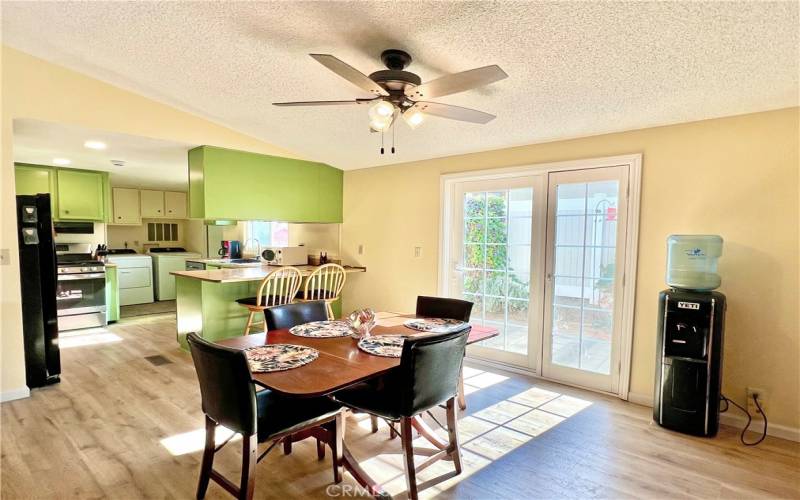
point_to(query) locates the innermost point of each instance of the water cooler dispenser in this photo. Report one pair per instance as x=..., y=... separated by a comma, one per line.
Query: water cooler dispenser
x=690, y=336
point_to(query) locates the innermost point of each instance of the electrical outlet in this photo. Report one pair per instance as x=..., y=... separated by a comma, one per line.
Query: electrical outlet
x=762, y=400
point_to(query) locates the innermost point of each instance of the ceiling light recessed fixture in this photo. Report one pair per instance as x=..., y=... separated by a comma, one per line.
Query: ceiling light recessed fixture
x=61, y=161
x=95, y=145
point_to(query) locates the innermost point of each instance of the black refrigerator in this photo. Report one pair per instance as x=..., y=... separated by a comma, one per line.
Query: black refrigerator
x=37, y=262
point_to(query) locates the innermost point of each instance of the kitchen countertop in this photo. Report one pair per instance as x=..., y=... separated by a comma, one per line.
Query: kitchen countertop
x=226, y=263
x=250, y=272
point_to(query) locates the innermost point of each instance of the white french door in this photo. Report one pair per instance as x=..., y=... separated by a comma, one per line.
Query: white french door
x=586, y=223
x=496, y=256
x=542, y=257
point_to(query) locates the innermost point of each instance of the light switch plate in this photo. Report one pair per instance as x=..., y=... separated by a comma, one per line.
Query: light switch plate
x=417, y=252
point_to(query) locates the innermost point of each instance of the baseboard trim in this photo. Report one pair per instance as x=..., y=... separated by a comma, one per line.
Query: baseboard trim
x=641, y=399
x=20, y=393
x=757, y=427
x=734, y=419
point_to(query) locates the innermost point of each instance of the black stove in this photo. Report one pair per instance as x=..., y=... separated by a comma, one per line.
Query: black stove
x=77, y=260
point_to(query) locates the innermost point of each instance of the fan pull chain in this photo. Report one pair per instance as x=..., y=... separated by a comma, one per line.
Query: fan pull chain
x=381, y=141
x=393, y=128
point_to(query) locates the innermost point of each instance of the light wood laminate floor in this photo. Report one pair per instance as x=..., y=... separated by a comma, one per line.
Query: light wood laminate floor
x=125, y=424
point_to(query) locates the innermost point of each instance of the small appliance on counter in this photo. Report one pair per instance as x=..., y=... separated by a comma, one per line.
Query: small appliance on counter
x=81, y=289
x=230, y=249
x=37, y=262
x=285, y=256
x=690, y=336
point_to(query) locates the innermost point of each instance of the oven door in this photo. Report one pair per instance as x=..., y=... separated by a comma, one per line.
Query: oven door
x=81, y=293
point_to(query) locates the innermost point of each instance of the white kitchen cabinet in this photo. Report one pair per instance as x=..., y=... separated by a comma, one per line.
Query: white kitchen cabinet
x=126, y=206
x=152, y=203
x=175, y=205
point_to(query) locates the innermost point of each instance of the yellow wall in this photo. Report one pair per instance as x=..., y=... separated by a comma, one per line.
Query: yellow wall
x=33, y=88
x=737, y=177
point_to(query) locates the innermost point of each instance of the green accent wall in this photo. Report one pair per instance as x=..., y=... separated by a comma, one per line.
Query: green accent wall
x=239, y=185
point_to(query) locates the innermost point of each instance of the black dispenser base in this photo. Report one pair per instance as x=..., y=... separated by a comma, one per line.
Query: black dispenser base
x=689, y=361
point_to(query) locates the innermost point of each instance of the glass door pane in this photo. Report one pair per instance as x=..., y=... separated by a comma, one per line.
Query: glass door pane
x=583, y=276
x=493, y=262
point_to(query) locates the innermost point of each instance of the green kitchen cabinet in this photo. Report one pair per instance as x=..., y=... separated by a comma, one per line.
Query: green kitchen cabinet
x=35, y=179
x=238, y=185
x=112, y=294
x=81, y=194
x=331, y=182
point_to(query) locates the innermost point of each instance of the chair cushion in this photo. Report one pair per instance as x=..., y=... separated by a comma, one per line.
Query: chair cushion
x=251, y=301
x=278, y=414
x=376, y=396
x=316, y=294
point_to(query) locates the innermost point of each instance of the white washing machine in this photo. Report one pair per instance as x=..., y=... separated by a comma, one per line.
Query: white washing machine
x=135, y=276
x=166, y=260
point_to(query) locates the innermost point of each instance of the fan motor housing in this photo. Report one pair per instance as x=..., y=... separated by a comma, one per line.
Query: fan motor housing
x=391, y=79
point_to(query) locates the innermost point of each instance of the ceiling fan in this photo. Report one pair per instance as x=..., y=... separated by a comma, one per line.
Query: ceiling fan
x=400, y=93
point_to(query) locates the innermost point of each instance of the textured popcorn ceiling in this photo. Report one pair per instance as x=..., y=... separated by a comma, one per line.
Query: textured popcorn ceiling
x=576, y=68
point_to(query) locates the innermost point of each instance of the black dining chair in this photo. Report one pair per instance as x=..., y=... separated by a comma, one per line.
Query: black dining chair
x=289, y=315
x=427, y=377
x=229, y=399
x=444, y=307
x=447, y=308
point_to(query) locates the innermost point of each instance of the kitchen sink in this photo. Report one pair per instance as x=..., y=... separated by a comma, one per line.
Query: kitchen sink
x=245, y=261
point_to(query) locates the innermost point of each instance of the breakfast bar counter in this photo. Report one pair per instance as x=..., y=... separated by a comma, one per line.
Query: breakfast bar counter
x=206, y=299
x=249, y=273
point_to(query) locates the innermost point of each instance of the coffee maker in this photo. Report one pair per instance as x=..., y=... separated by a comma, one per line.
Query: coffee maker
x=230, y=249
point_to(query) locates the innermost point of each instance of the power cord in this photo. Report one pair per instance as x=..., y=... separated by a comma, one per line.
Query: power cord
x=729, y=402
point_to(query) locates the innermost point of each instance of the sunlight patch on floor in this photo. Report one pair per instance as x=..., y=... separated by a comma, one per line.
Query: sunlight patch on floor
x=80, y=338
x=192, y=441
x=486, y=435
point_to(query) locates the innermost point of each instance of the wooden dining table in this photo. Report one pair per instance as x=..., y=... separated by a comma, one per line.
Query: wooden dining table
x=341, y=364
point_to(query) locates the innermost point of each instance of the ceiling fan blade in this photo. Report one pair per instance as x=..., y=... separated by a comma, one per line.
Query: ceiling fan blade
x=457, y=82
x=322, y=103
x=453, y=112
x=349, y=73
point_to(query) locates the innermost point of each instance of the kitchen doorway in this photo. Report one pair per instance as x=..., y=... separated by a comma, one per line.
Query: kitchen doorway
x=547, y=254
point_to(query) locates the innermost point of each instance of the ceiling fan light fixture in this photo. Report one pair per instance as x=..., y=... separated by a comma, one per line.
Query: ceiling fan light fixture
x=380, y=125
x=381, y=110
x=413, y=118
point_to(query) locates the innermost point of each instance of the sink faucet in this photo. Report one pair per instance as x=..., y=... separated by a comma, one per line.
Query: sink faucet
x=258, y=246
